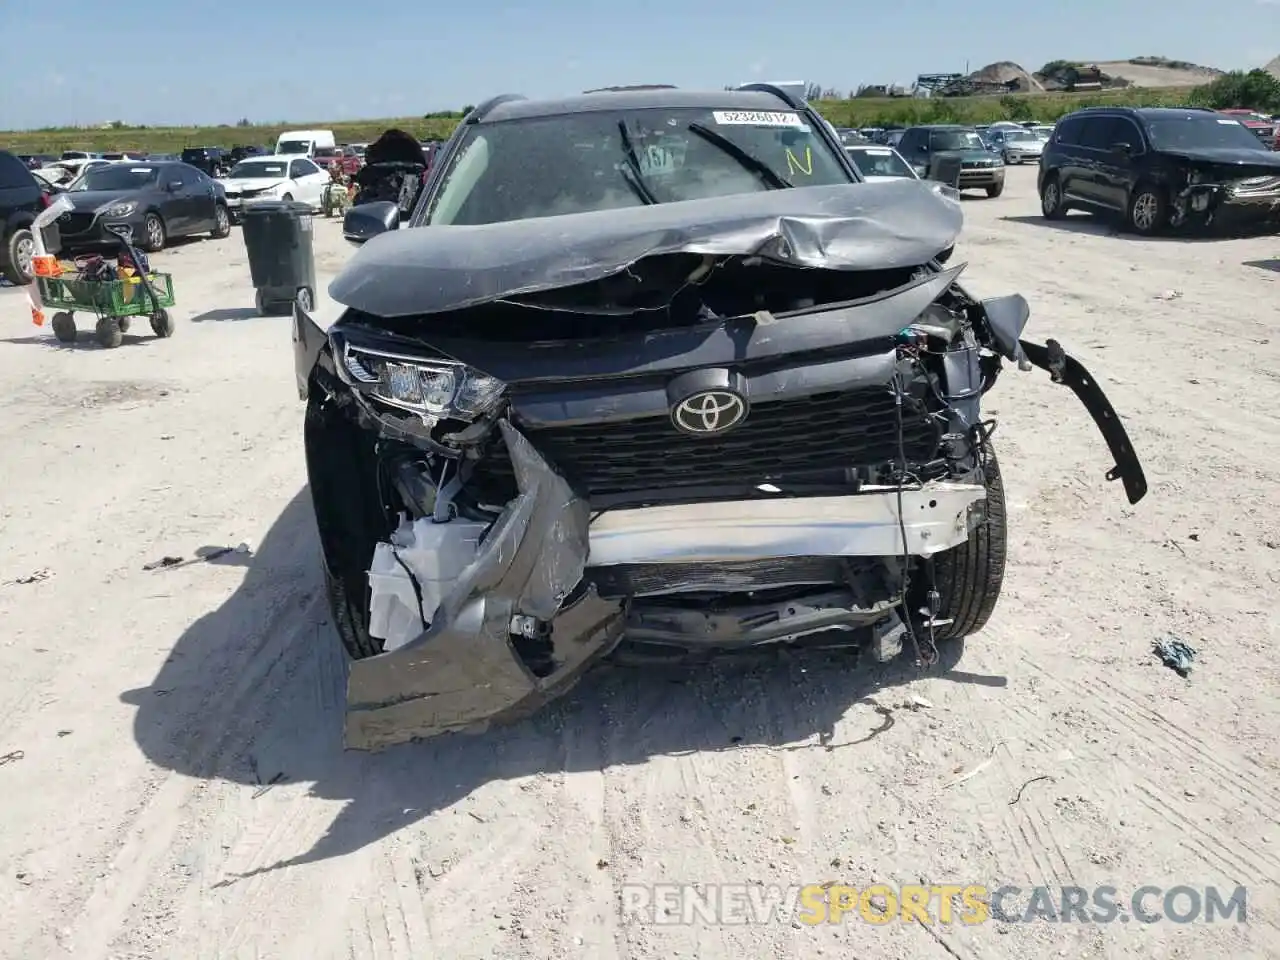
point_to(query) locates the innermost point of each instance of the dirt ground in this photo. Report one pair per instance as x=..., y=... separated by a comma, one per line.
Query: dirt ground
x=171, y=778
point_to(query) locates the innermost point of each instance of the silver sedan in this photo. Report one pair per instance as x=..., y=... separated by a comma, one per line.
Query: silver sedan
x=1019, y=146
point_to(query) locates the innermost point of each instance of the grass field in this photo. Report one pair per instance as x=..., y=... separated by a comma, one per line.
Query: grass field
x=853, y=113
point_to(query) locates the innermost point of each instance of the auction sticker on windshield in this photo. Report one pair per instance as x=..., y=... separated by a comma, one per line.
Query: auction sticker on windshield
x=655, y=160
x=759, y=118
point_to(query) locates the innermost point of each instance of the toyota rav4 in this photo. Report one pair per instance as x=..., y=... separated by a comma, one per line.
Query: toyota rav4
x=652, y=371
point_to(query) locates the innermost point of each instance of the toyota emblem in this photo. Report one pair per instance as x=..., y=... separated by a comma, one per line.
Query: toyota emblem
x=708, y=412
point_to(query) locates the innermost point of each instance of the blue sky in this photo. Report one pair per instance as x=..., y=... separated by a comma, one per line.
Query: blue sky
x=320, y=59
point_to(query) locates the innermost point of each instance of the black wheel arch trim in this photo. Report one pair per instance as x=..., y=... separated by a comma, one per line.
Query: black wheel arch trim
x=1069, y=372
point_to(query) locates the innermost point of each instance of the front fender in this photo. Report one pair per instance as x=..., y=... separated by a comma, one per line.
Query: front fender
x=308, y=342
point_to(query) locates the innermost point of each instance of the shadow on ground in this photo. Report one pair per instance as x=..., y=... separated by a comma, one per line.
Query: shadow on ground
x=84, y=339
x=1272, y=265
x=1101, y=226
x=226, y=313
x=253, y=693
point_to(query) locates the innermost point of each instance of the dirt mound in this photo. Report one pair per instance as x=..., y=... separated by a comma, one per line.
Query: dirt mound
x=1273, y=68
x=1159, y=72
x=1006, y=71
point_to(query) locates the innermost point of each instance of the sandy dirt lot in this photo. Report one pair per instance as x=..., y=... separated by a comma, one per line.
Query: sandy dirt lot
x=171, y=778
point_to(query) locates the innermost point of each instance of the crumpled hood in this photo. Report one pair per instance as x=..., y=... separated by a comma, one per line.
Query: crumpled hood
x=1262, y=160
x=862, y=226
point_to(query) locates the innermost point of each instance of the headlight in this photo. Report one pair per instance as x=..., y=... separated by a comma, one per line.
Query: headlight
x=433, y=389
x=120, y=209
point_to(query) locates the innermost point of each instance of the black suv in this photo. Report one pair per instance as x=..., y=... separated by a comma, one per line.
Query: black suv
x=21, y=198
x=927, y=146
x=662, y=377
x=209, y=160
x=1159, y=167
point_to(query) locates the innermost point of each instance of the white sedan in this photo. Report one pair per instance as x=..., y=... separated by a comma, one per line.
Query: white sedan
x=275, y=177
x=875, y=162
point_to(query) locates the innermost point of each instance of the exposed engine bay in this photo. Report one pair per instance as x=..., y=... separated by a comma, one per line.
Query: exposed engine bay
x=694, y=450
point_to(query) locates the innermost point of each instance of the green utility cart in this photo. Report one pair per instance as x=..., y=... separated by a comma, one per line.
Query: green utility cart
x=114, y=302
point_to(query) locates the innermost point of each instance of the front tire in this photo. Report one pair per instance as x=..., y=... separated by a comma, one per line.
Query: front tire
x=1051, y=205
x=969, y=577
x=64, y=327
x=154, y=234
x=108, y=333
x=995, y=190
x=162, y=324
x=1148, y=211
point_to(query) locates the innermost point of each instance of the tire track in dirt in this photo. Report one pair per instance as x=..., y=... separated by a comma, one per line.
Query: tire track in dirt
x=1023, y=841
x=676, y=785
x=167, y=816
x=593, y=915
x=1146, y=728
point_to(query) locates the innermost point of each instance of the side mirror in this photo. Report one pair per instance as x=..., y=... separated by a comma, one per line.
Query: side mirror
x=1122, y=148
x=367, y=220
x=173, y=186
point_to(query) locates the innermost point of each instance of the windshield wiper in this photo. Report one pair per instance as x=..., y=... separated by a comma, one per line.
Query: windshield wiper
x=631, y=172
x=754, y=164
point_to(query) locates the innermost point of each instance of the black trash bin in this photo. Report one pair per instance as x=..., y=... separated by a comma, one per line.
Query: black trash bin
x=279, y=240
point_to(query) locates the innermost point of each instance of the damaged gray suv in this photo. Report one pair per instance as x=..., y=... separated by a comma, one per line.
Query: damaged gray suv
x=652, y=371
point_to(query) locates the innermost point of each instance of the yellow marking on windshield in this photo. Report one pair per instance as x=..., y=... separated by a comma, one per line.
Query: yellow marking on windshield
x=795, y=166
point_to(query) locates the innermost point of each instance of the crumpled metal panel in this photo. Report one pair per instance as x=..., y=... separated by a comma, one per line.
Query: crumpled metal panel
x=857, y=226
x=463, y=671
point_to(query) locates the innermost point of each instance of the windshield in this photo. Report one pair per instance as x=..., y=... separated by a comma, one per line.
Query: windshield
x=116, y=177
x=328, y=153
x=257, y=170
x=294, y=146
x=574, y=163
x=955, y=140
x=1021, y=135
x=879, y=162
x=1201, y=132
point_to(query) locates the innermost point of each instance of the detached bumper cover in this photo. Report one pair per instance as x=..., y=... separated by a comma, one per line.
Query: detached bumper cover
x=463, y=671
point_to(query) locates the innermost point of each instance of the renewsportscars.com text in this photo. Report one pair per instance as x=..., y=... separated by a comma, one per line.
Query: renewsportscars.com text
x=967, y=904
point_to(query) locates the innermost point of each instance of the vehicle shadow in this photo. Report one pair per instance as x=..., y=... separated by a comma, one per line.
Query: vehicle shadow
x=84, y=341
x=1272, y=265
x=253, y=693
x=1100, y=226
x=227, y=313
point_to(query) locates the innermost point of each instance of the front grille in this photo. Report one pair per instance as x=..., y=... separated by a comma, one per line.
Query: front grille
x=75, y=222
x=977, y=165
x=742, y=576
x=779, y=439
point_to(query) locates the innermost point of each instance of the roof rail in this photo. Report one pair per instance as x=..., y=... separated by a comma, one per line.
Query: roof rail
x=790, y=99
x=479, y=113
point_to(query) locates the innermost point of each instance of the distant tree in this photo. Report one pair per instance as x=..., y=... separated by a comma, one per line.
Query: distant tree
x=1017, y=108
x=243, y=122
x=813, y=91
x=1255, y=90
x=468, y=108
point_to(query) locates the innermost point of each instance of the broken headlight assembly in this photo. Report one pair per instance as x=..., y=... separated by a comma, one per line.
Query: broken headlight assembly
x=433, y=389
